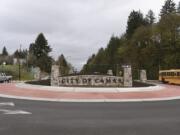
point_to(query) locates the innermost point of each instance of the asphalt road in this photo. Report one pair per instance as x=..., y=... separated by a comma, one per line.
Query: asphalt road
x=51, y=118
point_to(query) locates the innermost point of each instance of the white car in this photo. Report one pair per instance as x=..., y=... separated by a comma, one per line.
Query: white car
x=5, y=78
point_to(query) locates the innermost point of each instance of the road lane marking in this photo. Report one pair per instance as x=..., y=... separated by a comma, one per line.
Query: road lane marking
x=7, y=104
x=8, y=112
x=11, y=112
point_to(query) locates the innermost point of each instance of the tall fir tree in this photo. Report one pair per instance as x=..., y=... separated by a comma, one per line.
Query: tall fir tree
x=4, y=51
x=63, y=65
x=150, y=17
x=169, y=7
x=62, y=61
x=178, y=8
x=40, y=50
x=135, y=20
x=40, y=47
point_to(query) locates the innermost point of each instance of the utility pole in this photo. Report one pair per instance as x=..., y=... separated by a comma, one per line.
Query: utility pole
x=117, y=69
x=19, y=63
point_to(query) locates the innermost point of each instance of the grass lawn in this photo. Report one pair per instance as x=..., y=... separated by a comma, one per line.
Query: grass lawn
x=13, y=70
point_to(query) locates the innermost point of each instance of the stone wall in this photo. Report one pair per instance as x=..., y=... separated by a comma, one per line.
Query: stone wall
x=91, y=80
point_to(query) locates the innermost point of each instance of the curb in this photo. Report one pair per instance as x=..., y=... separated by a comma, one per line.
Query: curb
x=92, y=100
x=87, y=90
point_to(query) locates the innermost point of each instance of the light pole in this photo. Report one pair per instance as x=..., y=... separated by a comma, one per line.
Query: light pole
x=3, y=65
x=117, y=69
x=19, y=63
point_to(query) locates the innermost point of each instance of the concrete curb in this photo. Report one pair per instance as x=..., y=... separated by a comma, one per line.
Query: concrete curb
x=80, y=89
x=92, y=100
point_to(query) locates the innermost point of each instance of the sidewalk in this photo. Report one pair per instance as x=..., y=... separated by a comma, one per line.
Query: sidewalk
x=167, y=92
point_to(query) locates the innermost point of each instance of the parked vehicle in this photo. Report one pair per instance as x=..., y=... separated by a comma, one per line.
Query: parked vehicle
x=5, y=78
x=170, y=76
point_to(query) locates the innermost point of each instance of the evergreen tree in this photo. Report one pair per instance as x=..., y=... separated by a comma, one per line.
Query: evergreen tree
x=22, y=54
x=90, y=60
x=40, y=50
x=62, y=61
x=178, y=8
x=16, y=54
x=169, y=7
x=150, y=47
x=170, y=44
x=4, y=51
x=63, y=65
x=111, y=50
x=135, y=20
x=150, y=17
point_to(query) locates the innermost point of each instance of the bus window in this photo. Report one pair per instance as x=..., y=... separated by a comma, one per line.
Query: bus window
x=164, y=73
x=178, y=73
x=175, y=73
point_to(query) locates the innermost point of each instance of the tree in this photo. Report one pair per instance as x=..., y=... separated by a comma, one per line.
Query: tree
x=150, y=17
x=4, y=51
x=90, y=60
x=169, y=7
x=63, y=64
x=22, y=54
x=104, y=59
x=178, y=8
x=135, y=20
x=170, y=40
x=144, y=46
x=16, y=54
x=40, y=50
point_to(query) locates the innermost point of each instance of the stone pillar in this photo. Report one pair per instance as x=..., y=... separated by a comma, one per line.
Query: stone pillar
x=143, y=76
x=37, y=73
x=110, y=72
x=54, y=75
x=127, y=76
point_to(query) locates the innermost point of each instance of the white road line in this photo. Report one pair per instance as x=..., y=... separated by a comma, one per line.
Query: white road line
x=14, y=112
x=7, y=104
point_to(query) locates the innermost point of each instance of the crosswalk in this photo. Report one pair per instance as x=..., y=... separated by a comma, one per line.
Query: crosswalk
x=11, y=111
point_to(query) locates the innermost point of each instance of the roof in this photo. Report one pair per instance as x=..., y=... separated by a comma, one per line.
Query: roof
x=171, y=70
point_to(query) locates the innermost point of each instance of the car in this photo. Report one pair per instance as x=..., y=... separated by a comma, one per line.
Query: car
x=5, y=78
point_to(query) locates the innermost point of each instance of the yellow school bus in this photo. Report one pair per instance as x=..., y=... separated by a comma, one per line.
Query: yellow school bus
x=170, y=76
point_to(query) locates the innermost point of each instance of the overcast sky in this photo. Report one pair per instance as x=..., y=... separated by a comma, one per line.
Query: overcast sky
x=76, y=28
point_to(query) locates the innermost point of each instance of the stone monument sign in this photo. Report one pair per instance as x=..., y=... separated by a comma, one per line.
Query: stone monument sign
x=91, y=80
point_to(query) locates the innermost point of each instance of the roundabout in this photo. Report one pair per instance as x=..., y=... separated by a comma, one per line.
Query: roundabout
x=33, y=109
x=159, y=92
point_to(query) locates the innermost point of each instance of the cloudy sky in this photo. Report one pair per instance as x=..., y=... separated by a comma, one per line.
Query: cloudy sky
x=76, y=28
